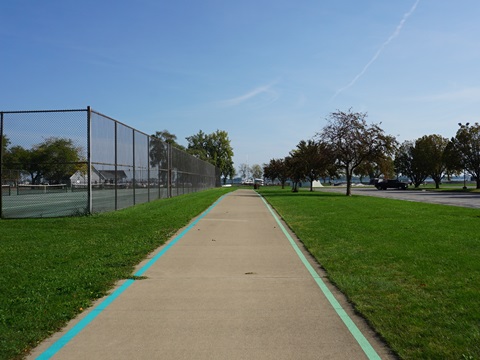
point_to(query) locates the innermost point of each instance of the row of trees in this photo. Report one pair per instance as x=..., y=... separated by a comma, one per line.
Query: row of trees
x=56, y=159
x=53, y=160
x=348, y=146
x=214, y=148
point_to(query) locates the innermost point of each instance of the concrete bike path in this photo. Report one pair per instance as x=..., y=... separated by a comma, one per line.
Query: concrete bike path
x=233, y=285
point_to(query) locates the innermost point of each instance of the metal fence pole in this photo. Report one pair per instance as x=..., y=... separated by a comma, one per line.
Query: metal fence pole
x=116, y=166
x=148, y=168
x=134, y=178
x=89, y=160
x=169, y=170
x=1, y=164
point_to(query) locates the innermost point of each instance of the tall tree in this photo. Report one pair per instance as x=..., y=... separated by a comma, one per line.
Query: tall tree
x=276, y=169
x=467, y=143
x=411, y=162
x=375, y=169
x=432, y=149
x=296, y=171
x=214, y=148
x=59, y=159
x=314, y=158
x=54, y=160
x=4, y=154
x=168, y=138
x=354, y=142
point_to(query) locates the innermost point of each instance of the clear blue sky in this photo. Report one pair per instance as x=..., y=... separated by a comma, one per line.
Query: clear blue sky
x=266, y=71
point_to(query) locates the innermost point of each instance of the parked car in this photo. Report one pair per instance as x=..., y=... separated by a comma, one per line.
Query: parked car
x=383, y=184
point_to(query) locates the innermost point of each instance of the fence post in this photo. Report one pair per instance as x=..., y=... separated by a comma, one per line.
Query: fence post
x=1, y=164
x=116, y=166
x=134, y=178
x=89, y=160
x=169, y=171
x=148, y=168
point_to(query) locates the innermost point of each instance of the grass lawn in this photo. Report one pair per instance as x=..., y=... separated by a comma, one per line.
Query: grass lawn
x=52, y=269
x=411, y=269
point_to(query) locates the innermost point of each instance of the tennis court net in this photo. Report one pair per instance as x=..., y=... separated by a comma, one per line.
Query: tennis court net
x=41, y=189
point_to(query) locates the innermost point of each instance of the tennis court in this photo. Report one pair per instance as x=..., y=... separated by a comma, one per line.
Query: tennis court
x=99, y=163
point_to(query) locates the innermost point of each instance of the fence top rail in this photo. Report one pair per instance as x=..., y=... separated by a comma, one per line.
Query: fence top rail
x=42, y=111
x=119, y=122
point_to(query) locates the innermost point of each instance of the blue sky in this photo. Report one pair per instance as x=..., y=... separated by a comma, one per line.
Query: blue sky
x=266, y=71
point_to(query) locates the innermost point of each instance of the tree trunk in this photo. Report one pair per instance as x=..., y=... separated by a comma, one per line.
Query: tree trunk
x=349, y=183
x=295, y=189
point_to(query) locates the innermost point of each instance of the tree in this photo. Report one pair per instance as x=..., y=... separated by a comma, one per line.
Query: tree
x=314, y=158
x=411, y=162
x=257, y=171
x=244, y=171
x=59, y=158
x=295, y=170
x=354, y=142
x=53, y=161
x=168, y=138
x=5, y=143
x=432, y=149
x=467, y=144
x=214, y=148
x=374, y=169
x=276, y=170
x=4, y=146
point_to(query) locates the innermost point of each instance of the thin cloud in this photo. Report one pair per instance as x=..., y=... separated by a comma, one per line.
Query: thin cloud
x=271, y=97
x=379, y=51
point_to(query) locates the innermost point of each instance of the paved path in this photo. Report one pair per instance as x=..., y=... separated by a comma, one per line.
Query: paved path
x=233, y=285
x=434, y=197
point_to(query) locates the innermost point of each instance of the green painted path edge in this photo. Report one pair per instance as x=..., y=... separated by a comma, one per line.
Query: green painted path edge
x=354, y=330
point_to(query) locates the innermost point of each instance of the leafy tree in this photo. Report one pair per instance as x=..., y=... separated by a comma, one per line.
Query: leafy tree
x=230, y=175
x=467, y=144
x=295, y=170
x=374, y=169
x=276, y=169
x=314, y=158
x=354, y=142
x=432, y=149
x=59, y=159
x=5, y=143
x=167, y=137
x=214, y=148
x=158, y=154
x=199, y=145
x=410, y=161
x=54, y=160
x=4, y=152
x=453, y=160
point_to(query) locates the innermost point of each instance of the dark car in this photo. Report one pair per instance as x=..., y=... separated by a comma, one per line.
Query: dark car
x=391, y=184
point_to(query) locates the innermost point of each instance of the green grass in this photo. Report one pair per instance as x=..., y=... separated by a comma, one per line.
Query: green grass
x=53, y=269
x=411, y=269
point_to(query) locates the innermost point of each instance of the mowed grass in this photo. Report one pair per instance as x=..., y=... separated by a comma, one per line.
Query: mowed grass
x=53, y=269
x=411, y=269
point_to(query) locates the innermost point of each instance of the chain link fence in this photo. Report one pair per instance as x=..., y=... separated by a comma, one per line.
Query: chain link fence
x=76, y=162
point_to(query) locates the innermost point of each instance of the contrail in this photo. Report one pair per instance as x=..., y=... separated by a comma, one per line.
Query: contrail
x=265, y=89
x=377, y=54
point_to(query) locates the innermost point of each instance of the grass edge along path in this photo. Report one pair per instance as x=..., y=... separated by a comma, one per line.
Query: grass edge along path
x=411, y=269
x=53, y=269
